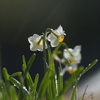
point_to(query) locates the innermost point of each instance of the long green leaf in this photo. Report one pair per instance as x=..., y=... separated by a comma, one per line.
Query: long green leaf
x=81, y=74
x=53, y=87
x=44, y=84
x=49, y=92
x=18, y=85
x=74, y=93
x=52, y=90
x=60, y=82
x=32, y=85
x=5, y=95
x=15, y=82
x=13, y=93
x=29, y=80
x=15, y=74
x=5, y=73
x=29, y=64
x=35, y=82
x=89, y=67
x=70, y=81
x=24, y=65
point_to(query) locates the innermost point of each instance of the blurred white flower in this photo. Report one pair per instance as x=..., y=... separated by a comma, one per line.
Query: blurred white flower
x=69, y=69
x=36, y=42
x=72, y=58
x=73, y=55
x=56, y=36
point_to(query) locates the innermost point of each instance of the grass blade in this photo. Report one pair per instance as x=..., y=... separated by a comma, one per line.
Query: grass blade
x=74, y=93
x=53, y=87
x=70, y=81
x=29, y=81
x=35, y=82
x=44, y=84
x=5, y=73
x=89, y=67
x=24, y=66
x=60, y=83
x=16, y=74
x=5, y=95
x=13, y=93
x=29, y=64
x=15, y=82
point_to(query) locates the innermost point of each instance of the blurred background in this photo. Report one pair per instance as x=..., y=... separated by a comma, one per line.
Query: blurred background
x=20, y=19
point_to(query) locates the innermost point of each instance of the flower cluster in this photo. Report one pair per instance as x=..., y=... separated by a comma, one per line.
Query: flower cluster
x=71, y=57
x=55, y=37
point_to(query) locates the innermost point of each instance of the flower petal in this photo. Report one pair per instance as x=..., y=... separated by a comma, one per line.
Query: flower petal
x=63, y=71
x=54, y=43
x=51, y=37
x=34, y=40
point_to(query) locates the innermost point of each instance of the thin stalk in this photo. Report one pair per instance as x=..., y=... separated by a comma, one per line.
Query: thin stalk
x=48, y=30
x=76, y=90
x=74, y=94
x=61, y=44
x=44, y=52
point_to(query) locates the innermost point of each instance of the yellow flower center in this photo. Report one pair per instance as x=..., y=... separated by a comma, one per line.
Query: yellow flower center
x=61, y=38
x=72, y=61
x=37, y=44
x=71, y=71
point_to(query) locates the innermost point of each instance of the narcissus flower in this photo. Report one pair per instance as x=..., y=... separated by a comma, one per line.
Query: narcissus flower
x=56, y=36
x=36, y=42
x=73, y=55
x=72, y=58
x=69, y=69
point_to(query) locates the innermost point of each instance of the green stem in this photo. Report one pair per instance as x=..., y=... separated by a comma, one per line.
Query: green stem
x=61, y=44
x=76, y=90
x=44, y=53
x=64, y=45
x=54, y=34
x=39, y=40
x=49, y=30
x=44, y=49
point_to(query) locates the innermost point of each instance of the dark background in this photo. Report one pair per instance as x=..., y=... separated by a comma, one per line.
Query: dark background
x=20, y=19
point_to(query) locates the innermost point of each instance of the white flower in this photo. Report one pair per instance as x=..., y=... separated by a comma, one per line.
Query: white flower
x=73, y=55
x=36, y=42
x=72, y=58
x=69, y=69
x=56, y=36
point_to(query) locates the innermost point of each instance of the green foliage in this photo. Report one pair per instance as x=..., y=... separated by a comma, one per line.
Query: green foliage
x=22, y=86
x=52, y=85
